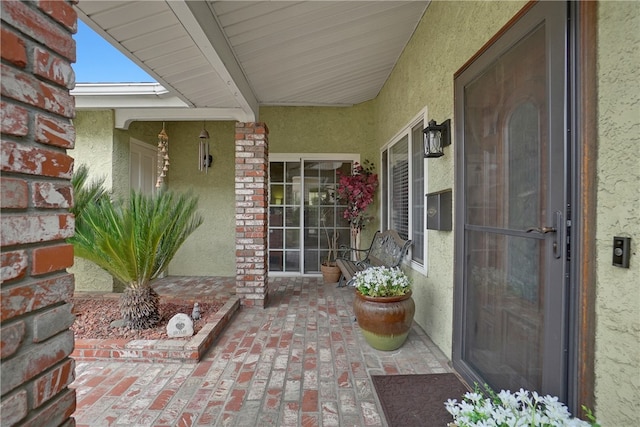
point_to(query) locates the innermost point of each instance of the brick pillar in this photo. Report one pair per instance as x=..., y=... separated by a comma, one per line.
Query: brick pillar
x=37, y=52
x=252, y=162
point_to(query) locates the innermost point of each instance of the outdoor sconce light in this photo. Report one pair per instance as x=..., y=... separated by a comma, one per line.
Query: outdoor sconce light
x=436, y=137
x=204, y=158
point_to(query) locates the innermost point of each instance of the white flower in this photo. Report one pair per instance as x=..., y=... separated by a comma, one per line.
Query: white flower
x=523, y=396
x=474, y=397
x=452, y=406
x=508, y=399
x=520, y=409
x=382, y=282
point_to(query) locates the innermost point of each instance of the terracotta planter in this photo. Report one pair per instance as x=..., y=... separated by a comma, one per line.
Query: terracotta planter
x=384, y=321
x=330, y=273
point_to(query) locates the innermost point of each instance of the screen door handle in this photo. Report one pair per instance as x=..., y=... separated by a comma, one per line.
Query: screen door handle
x=558, y=239
x=541, y=230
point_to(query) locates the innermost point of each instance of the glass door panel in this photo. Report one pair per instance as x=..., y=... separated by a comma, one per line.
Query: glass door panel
x=322, y=209
x=304, y=214
x=284, y=216
x=506, y=175
x=506, y=310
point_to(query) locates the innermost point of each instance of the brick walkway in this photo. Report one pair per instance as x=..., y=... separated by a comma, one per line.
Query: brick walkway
x=299, y=362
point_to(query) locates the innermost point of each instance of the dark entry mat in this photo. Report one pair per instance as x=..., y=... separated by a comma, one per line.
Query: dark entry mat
x=417, y=400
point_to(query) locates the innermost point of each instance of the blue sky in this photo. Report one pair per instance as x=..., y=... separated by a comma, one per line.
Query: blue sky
x=99, y=62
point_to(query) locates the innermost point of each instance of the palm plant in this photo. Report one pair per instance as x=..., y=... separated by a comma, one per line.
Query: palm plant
x=85, y=191
x=134, y=241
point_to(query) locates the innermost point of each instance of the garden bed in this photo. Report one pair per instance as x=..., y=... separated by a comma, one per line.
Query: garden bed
x=94, y=317
x=96, y=339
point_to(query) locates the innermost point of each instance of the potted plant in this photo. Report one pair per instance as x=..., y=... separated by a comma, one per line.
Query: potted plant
x=357, y=191
x=522, y=408
x=330, y=271
x=383, y=306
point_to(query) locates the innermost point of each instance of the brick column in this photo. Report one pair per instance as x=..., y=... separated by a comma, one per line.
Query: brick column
x=252, y=162
x=37, y=52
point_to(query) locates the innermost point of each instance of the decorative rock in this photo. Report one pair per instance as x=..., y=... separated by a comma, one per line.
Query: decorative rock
x=120, y=323
x=195, y=314
x=180, y=325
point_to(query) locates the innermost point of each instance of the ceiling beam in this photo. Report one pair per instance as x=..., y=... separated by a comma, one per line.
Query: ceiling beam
x=200, y=22
x=125, y=116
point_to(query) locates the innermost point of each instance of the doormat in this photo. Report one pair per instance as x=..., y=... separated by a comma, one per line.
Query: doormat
x=417, y=400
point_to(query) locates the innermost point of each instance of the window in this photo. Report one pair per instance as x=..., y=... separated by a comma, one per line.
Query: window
x=399, y=186
x=403, y=180
x=418, y=195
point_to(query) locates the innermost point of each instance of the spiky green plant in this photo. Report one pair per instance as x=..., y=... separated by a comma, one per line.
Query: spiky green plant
x=85, y=191
x=134, y=241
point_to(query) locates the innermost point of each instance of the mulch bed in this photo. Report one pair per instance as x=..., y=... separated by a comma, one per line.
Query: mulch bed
x=94, y=317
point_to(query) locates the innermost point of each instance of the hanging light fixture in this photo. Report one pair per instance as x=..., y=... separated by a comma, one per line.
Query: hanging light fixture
x=204, y=158
x=436, y=136
x=163, y=157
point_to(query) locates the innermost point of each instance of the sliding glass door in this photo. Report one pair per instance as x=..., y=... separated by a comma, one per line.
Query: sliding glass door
x=304, y=212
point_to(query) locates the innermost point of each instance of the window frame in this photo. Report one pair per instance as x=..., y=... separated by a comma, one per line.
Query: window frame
x=385, y=208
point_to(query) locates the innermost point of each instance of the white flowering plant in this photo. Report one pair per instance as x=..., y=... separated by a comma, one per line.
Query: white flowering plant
x=519, y=409
x=382, y=282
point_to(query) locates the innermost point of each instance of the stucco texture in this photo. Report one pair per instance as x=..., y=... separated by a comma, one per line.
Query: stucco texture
x=93, y=147
x=320, y=129
x=210, y=250
x=448, y=35
x=326, y=130
x=617, y=356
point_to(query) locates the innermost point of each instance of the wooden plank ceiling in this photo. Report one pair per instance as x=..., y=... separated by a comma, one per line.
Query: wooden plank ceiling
x=242, y=54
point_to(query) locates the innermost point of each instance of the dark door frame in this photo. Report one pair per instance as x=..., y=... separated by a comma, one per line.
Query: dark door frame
x=582, y=107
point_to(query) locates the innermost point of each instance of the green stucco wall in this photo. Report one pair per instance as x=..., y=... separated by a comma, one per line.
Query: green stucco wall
x=320, y=129
x=93, y=147
x=211, y=249
x=326, y=130
x=617, y=358
x=449, y=34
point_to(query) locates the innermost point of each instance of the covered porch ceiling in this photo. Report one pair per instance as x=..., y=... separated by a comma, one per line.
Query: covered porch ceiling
x=221, y=60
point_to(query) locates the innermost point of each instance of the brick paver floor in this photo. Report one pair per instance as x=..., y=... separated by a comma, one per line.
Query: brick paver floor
x=301, y=361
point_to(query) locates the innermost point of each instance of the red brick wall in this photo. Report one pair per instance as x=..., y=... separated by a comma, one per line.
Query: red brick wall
x=37, y=52
x=252, y=161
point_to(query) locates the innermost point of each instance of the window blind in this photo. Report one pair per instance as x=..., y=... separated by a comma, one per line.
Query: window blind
x=399, y=197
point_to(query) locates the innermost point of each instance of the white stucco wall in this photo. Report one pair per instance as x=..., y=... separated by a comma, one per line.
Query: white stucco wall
x=617, y=358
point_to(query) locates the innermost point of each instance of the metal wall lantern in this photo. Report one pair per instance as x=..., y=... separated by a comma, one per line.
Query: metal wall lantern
x=436, y=136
